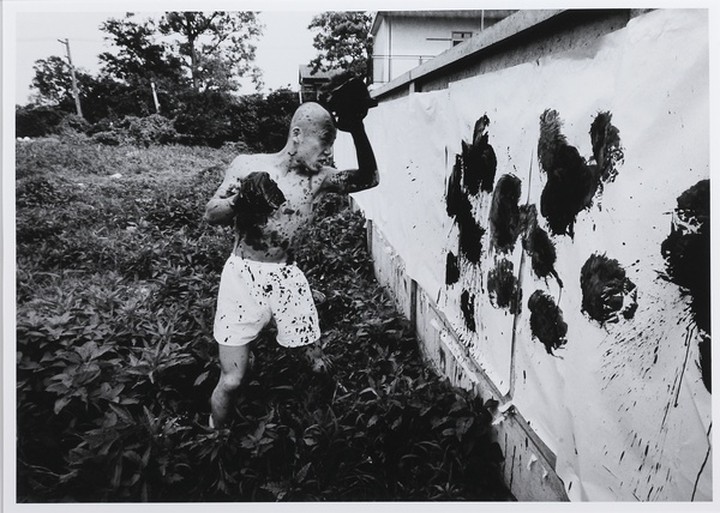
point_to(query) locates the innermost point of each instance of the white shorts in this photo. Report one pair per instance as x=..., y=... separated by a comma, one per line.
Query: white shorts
x=253, y=293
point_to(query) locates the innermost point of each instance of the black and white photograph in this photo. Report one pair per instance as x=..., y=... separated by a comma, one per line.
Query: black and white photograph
x=329, y=254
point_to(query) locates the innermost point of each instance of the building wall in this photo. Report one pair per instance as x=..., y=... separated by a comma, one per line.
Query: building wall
x=410, y=41
x=573, y=318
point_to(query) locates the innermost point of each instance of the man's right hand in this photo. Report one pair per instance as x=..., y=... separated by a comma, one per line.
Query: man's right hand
x=350, y=102
x=258, y=193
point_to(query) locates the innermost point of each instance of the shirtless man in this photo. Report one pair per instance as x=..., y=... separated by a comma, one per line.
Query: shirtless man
x=269, y=197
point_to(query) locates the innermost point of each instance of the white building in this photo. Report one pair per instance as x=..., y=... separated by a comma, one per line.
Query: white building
x=403, y=40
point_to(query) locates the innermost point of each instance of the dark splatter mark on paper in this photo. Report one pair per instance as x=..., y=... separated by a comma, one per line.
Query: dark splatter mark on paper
x=452, y=271
x=505, y=213
x=454, y=195
x=537, y=244
x=467, y=305
x=479, y=160
x=471, y=234
x=503, y=287
x=571, y=183
x=606, y=290
x=706, y=361
x=607, y=150
x=687, y=257
x=459, y=207
x=546, y=321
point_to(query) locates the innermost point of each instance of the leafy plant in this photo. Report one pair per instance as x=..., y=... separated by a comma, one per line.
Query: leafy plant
x=116, y=288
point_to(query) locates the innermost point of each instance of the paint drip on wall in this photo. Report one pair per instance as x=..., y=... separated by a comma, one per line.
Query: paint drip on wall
x=503, y=287
x=571, y=181
x=452, y=271
x=687, y=256
x=459, y=207
x=537, y=244
x=467, y=305
x=505, y=214
x=546, y=321
x=607, y=293
x=607, y=150
x=479, y=160
x=473, y=171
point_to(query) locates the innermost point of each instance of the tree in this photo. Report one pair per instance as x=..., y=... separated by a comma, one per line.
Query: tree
x=140, y=58
x=217, y=47
x=53, y=82
x=275, y=114
x=342, y=42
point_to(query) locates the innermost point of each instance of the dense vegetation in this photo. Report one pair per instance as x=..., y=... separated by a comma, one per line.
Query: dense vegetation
x=187, y=73
x=116, y=282
x=209, y=118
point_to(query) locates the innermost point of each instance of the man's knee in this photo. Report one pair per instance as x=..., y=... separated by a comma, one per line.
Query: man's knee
x=234, y=363
x=231, y=381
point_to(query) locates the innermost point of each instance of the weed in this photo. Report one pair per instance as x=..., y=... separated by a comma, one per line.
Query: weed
x=116, y=287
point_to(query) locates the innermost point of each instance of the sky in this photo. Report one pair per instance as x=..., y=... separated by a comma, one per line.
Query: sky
x=286, y=43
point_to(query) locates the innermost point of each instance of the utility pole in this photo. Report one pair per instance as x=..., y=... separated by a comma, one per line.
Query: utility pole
x=76, y=95
x=155, y=97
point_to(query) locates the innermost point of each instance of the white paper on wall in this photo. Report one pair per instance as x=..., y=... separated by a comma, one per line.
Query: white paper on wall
x=613, y=385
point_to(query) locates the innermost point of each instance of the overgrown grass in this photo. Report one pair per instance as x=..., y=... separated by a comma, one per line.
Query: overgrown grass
x=116, y=286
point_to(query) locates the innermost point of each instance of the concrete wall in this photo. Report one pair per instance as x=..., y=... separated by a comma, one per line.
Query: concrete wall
x=608, y=409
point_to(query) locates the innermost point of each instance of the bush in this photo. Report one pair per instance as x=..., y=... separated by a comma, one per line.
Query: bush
x=108, y=138
x=153, y=129
x=205, y=118
x=37, y=120
x=115, y=361
x=73, y=124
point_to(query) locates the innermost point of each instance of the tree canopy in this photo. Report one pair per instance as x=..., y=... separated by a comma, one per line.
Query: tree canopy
x=342, y=42
x=52, y=81
x=140, y=58
x=216, y=47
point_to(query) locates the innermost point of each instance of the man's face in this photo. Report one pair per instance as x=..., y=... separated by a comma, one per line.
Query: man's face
x=315, y=149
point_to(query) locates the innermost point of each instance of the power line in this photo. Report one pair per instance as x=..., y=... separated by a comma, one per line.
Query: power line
x=82, y=40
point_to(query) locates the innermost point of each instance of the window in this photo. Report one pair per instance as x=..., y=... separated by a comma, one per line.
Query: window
x=459, y=37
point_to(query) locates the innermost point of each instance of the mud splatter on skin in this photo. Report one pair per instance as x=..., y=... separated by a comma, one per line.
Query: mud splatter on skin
x=606, y=291
x=537, y=244
x=479, y=160
x=571, y=181
x=452, y=271
x=505, y=213
x=467, y=305
x=687, y=256
x=546, y=321
x=250, y=227
x=503, y=287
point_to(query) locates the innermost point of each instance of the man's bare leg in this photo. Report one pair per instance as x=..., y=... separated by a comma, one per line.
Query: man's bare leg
x=234, y=362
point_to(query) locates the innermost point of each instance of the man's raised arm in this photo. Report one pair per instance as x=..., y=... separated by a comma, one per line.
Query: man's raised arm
x=351, y=102
x=354, y=180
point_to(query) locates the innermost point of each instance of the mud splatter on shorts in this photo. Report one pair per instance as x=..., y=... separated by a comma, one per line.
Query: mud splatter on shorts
x=252, y=294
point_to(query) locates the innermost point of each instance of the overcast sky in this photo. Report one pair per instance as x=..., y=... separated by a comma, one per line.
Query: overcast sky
x=286, y=43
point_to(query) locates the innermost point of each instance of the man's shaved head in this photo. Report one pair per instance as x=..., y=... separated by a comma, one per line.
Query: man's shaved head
x=312, y=118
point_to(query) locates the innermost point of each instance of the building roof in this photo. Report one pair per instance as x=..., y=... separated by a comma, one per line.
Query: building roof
x=306, y=74
x=436, y=14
